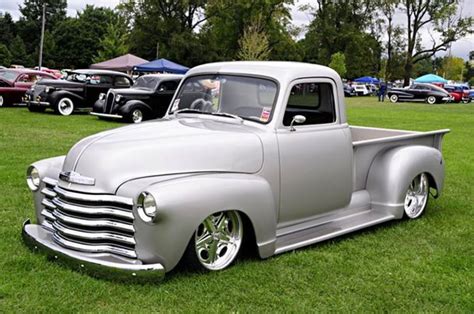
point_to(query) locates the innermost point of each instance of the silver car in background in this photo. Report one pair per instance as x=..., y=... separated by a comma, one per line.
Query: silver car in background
x=249, y=153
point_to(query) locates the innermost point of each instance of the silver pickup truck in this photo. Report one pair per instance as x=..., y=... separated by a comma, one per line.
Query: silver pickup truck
x=248, y=154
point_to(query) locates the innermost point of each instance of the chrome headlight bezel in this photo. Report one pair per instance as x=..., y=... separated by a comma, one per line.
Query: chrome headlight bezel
x=147, y=207
x=101, y=96
x=48, y=89
x=118, y=98
x=33, y=178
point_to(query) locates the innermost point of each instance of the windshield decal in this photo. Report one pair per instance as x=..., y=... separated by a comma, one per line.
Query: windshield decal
x=265, y=115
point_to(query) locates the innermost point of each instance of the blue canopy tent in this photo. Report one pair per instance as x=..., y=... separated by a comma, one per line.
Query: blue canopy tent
x=161, y=65
x=367, y=80
x=431, y=78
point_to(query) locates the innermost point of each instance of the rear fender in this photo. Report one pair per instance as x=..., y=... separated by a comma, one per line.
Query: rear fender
x=393, y=170
x=183, y=203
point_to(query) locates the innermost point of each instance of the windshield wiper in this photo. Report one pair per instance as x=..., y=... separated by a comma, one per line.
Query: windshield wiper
x=230, y=115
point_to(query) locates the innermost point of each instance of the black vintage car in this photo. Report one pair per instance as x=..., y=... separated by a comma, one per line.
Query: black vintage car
x=419, y=92
x=79, y=90
x=149, y=98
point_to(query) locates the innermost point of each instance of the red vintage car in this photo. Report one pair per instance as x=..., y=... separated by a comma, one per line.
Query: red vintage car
x=458, y=92
x=15, y=82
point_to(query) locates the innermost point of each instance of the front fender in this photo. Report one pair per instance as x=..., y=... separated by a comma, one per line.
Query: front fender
x=129, y=105
x=56, y=95
x=184, y=202
x=393, y=170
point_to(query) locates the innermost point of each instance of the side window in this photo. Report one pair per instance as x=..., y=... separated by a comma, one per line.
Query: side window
x=315, y=101
x=168, y=86
x=121, y=81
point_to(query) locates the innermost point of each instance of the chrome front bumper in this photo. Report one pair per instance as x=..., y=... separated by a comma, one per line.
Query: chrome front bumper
x=106, y=115
x=39, y=239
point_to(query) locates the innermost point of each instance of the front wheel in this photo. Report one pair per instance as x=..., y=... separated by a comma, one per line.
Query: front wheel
x=1, y=101
x=64, y=106
x=216, y=242
x=394, y=98
x=136, y=116
x=416, y=198
x=431, y=100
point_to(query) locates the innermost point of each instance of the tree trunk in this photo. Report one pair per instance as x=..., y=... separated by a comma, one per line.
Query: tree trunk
x=408, y=70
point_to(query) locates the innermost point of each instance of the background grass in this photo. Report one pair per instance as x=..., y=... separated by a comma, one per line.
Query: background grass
x=422, y=265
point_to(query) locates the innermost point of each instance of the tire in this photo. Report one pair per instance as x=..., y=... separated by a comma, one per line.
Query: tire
x=2, y=101
x=416, y=197
x=64, y=106
x=216, y=242
x=136, y=115
x=393, y=98
x=431, y=100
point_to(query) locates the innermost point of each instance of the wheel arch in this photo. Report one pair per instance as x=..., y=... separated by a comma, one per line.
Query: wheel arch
x=129, y=105
x=393, y=170
x=183, y=203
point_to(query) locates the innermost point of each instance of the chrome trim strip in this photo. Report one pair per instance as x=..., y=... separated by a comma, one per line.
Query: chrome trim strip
x=46, y=202
x=39, y=239
x=48, y=192
x=47, y=226
x=92, y=210
x=48, y=214
x=96, y=223
x=89, y=248
x=93, y=235
x=50, y=181
x=74, y=177
x=94, y=197
x=106, y=115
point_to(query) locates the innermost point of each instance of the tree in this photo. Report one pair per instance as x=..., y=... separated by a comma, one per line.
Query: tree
x=114, y=42
x=453, y=68
x=8, y=28
x=447, y=25
x=5, y=56
x=338, y=63
x=254, y=43
x=18, y=52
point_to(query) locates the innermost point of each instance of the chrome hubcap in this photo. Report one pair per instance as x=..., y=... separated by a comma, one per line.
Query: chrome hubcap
x=66, y=107
x=137, y=116
x=218, y=239
x=417, y=196
x=1, y=101
x=431, y=100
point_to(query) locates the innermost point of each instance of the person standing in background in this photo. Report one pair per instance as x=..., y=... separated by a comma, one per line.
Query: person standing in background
x=382, y=91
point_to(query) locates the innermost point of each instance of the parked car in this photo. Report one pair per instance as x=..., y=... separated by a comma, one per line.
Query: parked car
x=419, y=92
x=148, y=98
x=457, y=93
x=349, y=91
x=229, y=165
x=79, y=90
x=15, y=82
x=56, y=73
x=361, y=90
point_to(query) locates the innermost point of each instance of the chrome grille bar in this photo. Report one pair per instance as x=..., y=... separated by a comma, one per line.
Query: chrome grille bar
x=93, y=197
x=93, y=223
x=92, y=210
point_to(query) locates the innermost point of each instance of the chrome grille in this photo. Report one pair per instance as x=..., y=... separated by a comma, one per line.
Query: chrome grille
x=109, y=102
x=89, y=223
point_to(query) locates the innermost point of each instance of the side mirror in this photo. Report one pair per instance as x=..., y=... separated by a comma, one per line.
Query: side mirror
x=299, y=119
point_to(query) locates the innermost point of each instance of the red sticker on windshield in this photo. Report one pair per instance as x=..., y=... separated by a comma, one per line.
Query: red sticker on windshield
x=265, y=116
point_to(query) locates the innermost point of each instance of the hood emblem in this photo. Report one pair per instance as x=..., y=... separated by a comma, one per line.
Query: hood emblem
x=74, y=177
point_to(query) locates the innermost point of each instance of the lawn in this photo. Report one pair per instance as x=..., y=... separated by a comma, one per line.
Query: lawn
x=407, y=266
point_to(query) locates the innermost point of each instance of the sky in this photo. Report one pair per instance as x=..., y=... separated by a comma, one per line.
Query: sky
x=460, y=48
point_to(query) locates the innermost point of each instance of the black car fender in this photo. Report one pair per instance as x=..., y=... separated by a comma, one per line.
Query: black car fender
x=399, y=93
x=54, y=96
x=127, y=108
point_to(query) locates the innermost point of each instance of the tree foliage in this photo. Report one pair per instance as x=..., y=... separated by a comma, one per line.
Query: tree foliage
x=453, y=68
x=5, y=55
x=338, y=63
x=254, y=43
x=114, y=42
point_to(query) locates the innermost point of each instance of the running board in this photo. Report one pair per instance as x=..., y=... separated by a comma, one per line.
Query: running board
x=328, y=230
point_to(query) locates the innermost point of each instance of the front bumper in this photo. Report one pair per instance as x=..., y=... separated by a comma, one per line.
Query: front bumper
x=27, y=100
x=39, y=239
x=106, y=115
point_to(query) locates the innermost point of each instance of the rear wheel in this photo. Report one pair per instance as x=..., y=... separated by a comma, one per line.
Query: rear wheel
x=416, y=198
x=64, y=106
x=216, y=242
x=431, y=100
x=394, y=98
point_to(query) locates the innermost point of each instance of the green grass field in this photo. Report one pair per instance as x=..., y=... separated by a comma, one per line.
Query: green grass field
x=405, y=266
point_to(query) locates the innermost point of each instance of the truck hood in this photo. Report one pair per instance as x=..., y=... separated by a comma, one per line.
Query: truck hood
x=162, y=147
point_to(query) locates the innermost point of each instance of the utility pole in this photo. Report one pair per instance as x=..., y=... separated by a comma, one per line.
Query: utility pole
x=157, y=50
x=42, y=36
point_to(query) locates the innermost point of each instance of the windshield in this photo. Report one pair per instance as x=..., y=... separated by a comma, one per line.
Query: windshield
x=147, y=82
x=247, y=97
x=8, y=75
x=76, y=77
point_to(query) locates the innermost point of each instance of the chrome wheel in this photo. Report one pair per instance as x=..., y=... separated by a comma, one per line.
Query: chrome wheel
x=394, y=98
x=417, y=196
x=1, y=101
x=137, y=116
x=431, y=100
x=65, y=106
x=217, y=240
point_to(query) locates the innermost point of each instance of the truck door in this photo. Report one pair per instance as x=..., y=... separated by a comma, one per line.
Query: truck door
x=316, y=156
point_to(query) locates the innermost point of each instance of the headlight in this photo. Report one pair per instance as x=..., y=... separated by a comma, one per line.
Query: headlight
x=101, y=96
x=146, y=206
x=33, y=178
x=117, y=98
x=48, y=89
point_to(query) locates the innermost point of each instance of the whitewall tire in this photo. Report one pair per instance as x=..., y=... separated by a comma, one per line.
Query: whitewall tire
x=65, y=106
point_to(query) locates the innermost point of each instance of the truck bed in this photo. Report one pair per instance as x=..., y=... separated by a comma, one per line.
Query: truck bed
x=368, y=142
